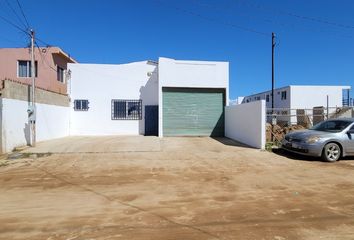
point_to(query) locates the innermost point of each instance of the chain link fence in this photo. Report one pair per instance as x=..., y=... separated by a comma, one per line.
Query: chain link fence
x=280, y=121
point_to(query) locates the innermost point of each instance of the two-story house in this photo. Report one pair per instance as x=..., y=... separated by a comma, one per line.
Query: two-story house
x=52, y=100
x=51, y=64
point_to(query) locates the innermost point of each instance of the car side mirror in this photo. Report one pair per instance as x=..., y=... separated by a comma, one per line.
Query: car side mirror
x=351, y=131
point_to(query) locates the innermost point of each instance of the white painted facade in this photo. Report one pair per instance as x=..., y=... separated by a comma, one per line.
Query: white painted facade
x=245, y=123
x=301, y=97
x=191, y=74
x=52, y=122
x=99, y=84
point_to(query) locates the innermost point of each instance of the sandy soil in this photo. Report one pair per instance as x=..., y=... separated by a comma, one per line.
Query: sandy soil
x=184, y=188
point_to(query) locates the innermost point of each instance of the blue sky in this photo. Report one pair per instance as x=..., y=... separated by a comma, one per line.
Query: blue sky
x=308, y=51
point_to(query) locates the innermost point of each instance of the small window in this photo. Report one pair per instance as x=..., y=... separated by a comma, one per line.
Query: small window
x=81, y=105
x=24, y=69
x=126, y=109
x=60, y=74
x=283, y=95
x=267, y=98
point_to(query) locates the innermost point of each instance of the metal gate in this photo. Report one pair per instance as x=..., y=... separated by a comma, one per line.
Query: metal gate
x=193, y=112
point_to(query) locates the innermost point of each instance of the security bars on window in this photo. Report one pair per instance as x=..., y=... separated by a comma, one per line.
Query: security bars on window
x=81, y=105
x=126, y=109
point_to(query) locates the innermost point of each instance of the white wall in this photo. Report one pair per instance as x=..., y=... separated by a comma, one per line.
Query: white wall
x=52, y=122
x=99, y=84
x=307, y=97
x=245, y=123
x=278, y=102
x=191, y=74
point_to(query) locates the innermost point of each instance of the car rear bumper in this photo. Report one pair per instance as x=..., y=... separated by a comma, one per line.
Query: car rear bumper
x=303, y=148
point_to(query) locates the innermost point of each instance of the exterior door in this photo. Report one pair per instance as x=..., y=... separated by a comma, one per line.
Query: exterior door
x=151, y=120
x=193, y=112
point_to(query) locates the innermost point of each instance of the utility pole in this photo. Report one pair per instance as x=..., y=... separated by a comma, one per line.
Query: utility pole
x=273, y=117
x=32, y=110
x=273, y=46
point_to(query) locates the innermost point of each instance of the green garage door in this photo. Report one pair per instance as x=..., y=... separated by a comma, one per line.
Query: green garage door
x=193, y=112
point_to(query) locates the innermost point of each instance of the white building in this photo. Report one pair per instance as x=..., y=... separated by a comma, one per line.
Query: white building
x=165, y=98
x=302, y=97
x=236, y=101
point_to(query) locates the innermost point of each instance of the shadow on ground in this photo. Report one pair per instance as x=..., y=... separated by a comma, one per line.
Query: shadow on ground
x=299, y=157
x=230, y=142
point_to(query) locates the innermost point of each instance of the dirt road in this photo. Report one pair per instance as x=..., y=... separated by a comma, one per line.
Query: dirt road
x=178, y=188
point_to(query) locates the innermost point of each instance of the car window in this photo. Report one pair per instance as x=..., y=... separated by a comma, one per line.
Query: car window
x=331, y=126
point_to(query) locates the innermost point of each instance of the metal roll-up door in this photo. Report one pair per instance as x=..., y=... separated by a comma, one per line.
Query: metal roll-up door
x=193, y=112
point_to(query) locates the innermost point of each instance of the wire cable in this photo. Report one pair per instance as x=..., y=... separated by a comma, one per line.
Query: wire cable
x=23, y=13
x=15, y=13
x=313, y=19
x=14, y=25
x=214, y=20
x=44, y=60
x=223, y=9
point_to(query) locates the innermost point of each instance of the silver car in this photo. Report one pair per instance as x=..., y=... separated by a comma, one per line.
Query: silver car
x=329, y=139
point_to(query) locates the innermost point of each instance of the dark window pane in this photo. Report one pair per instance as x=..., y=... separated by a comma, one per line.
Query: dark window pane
x=22, y=68
x=30, y=68
x=77, y=104
x=133, y=110
x=84, y=105
x=119, y=111
x=60, y=74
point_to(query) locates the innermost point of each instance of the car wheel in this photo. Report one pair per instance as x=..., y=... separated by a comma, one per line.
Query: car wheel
x=331, y=152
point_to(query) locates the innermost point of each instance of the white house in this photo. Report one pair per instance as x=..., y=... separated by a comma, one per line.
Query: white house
x=165, y=98
x=303, y=97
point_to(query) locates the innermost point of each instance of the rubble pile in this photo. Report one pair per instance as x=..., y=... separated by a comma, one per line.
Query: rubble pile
x=279, y=132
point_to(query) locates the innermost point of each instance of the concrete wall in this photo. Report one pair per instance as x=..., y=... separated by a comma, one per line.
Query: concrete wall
x=52, y=122
x=20, y=91
x=47, y=59
x=99, y=84
x=245, y=123
x=191, y=74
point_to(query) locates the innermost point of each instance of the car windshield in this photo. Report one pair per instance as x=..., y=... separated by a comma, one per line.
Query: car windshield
x=331, y=126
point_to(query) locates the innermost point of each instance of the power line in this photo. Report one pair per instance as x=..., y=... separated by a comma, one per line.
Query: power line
x=270, y=21
x=23, y=13
x=14, y=25
x=13, y=10
x=9, y=40
x=44, y=60
x=45, y=43
x=313, y=19
x=215, y=20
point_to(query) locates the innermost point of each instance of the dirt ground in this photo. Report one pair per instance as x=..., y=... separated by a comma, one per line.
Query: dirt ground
x=172, y=188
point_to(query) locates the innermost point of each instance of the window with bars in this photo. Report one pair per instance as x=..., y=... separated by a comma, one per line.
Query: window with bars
x=81, y=105
x=126, y=109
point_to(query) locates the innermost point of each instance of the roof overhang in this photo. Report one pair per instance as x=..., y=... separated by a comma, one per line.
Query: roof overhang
x=62, y=54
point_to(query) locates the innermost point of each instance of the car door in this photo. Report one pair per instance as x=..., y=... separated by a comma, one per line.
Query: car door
x=350, y=141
